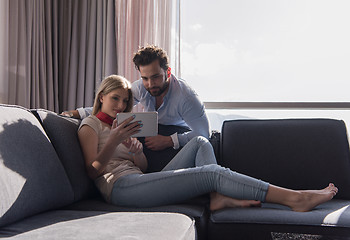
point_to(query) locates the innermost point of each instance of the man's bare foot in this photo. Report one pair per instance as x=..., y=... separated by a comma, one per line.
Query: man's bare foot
x=308, y=199
x=219, y=201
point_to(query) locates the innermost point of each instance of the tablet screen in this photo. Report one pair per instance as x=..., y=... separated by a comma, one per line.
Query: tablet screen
x=148, y=119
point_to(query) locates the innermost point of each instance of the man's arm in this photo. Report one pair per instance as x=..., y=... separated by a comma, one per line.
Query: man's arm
x=71, y=113
x=159, y=142
x=79, y=113
x=193, y=113
x=84, y=112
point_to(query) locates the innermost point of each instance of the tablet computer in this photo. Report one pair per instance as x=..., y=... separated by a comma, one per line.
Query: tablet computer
x=148, y=119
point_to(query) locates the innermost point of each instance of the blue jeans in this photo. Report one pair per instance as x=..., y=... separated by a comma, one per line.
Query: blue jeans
x=191, y=173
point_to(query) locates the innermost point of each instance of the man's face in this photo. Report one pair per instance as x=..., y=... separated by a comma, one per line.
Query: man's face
x=154, y=78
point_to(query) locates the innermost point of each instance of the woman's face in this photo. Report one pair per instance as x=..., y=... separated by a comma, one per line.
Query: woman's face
x=114, y=102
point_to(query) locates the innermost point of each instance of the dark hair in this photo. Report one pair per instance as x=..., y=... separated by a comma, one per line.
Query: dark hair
x=147, y=55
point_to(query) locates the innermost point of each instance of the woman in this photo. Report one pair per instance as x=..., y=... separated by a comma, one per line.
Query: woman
x=116, y=163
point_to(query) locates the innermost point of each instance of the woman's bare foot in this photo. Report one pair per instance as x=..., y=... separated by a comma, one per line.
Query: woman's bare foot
x=308, y=199
x=219, y=201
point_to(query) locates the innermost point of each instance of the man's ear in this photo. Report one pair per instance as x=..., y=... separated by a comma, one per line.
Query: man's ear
x=169, y=72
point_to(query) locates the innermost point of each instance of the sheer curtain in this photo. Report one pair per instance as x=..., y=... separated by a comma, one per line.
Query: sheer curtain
x=53, y=54
x=139, y=23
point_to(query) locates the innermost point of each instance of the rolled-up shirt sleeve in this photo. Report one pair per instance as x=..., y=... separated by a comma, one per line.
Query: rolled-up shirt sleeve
x=193, y=113
x=84, y=112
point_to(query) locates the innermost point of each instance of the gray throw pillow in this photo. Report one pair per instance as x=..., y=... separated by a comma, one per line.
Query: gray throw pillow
x=63, y=134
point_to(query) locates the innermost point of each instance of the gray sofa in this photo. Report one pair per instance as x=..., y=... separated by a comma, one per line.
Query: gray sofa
x=293, y=153
x=46, y=194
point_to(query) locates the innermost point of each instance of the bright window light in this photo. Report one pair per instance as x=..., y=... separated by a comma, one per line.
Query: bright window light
x=267, y=50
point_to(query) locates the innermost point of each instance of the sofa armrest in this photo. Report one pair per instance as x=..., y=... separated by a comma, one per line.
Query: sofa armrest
x=293, y=153
x=215, y=142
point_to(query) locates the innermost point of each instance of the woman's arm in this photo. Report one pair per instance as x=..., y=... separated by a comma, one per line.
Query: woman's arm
x=136, y=150
x=141, y=161
x=95, y=161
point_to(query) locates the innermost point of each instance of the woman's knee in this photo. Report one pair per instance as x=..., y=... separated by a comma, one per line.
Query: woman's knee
x=213, y=168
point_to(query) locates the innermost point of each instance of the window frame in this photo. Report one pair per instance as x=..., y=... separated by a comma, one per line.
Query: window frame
x=278, y=105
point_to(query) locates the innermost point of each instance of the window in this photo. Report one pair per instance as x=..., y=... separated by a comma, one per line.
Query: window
x=266, y=51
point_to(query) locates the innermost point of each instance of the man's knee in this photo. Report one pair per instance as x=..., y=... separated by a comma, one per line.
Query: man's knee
x=201, y=140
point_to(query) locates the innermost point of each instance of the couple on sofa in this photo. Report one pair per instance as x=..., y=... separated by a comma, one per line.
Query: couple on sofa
x=116, y=162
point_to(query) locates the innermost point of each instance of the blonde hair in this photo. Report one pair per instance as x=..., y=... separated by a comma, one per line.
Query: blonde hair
x=110, y=84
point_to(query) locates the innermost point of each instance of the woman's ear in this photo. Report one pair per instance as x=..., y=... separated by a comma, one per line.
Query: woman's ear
x=101, y=98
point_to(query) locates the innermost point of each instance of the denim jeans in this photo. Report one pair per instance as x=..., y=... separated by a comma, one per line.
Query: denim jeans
x=191, y=173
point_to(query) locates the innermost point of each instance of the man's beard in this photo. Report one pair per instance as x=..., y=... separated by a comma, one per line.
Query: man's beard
x=160, y=90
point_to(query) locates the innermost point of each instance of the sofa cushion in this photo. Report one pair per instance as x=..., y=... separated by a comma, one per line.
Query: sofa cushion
x=62, y=132
x=334, y=213
x=97, y=225
x=32, y=179
x=331, y=218
x=196, y=211
x=292, y=153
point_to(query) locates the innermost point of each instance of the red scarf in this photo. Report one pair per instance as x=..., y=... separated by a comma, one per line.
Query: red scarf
x=105, y=118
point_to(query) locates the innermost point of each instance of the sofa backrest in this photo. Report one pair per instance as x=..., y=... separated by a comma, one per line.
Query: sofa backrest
x=293, y=153
x=62, y=131
x=32, y=178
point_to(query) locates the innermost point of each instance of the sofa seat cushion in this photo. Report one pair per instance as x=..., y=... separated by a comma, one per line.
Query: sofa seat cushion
x=100, y=205
x=335, y=213
x=32, y=178
x=65, y=224
x=331, y=220
x=195, y=211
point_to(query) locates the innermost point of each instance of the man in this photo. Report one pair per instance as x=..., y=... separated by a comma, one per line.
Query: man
x=176, y=103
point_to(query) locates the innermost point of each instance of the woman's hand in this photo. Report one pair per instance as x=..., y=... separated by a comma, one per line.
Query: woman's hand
x=136, y=153
x=124, y=131
x=134, y=145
